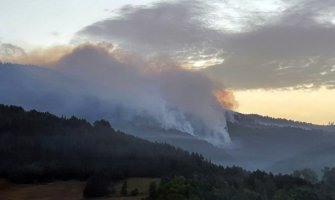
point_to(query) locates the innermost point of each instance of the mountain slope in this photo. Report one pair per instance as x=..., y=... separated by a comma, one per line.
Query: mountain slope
x=261, y=142
x=39, y=88
x=49, y=90
x=315, y=158
x=258, y=142
x=42, y=147
x=254, y=120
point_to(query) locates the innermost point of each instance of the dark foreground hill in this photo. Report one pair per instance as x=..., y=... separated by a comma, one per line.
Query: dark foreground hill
x=37, y=147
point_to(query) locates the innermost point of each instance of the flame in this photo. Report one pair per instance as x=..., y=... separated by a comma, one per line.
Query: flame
x=226, y=99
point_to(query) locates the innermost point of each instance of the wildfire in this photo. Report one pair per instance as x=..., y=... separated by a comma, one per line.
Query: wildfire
x=226, y=99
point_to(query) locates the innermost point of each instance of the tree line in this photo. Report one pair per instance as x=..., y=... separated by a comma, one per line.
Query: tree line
x=37, y=146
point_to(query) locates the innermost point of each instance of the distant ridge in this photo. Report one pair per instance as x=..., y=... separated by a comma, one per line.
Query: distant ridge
x=255, y=119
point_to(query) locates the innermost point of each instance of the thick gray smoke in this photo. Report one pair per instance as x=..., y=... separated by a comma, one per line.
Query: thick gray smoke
x=171, y=96
x=100, y=83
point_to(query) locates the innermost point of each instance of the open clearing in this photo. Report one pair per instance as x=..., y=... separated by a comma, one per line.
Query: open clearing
x=68, y=190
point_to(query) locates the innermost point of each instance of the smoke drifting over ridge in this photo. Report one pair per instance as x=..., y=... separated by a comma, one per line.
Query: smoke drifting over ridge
x=129, y=90
x=38, y=56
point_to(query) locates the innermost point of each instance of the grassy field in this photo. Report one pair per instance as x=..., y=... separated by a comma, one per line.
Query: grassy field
x=68, y=190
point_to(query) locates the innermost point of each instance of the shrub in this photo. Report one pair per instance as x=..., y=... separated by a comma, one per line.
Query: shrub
x=134, y=192
x=98, y=186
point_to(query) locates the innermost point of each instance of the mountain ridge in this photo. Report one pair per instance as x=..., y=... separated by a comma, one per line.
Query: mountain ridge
x=254, y=137
x=256, y=119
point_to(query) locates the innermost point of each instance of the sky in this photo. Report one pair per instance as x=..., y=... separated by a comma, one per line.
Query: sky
x=49, y=22
x=277, y=56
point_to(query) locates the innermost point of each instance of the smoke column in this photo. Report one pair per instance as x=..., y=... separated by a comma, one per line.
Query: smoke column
x=123, y=88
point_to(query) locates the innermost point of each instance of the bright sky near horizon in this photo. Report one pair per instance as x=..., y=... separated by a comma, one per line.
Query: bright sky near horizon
x=257, y=48
x=315, y=106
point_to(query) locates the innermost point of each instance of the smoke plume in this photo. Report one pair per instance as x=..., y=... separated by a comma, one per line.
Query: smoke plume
x=37, y=56
x=111, y=84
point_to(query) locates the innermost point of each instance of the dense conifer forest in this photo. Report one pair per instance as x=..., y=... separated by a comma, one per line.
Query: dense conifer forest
x=41, y=147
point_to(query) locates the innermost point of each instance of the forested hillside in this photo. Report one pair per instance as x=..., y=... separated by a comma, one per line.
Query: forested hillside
x=39, y=147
